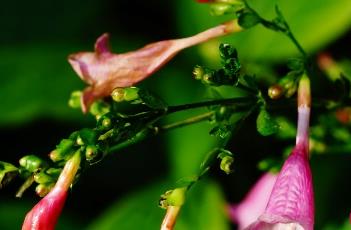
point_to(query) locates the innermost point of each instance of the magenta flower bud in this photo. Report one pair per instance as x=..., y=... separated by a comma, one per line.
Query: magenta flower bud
x=104, y=71
x=291, y=203
x=44, y=215
x=254, y=202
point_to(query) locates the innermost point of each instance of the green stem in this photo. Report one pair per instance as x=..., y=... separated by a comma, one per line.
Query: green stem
x=188, y=121
x=229, y=101
x=25, y=186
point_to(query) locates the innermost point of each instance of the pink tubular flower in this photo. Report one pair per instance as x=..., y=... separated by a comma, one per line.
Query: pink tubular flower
x=291, y=204
x=105, y=71
x=254, y=202
x=44, y=215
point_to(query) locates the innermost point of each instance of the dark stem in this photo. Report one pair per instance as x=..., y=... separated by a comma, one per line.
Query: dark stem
x=238, y=100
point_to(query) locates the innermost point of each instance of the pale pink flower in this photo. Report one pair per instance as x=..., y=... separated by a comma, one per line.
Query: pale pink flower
x=44, y=215
x=291, y=203
x=254, y=203
x=104, y=71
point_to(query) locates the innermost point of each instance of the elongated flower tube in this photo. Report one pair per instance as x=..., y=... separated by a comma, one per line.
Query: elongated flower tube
x=254, y=203
x=291, y=204
x=44, y=215
x=105, y=71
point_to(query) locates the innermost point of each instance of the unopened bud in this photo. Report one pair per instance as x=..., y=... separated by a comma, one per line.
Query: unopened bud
x=43, y=178
x=43, y=189
x=227, y=164
x=198, y=72
x=74, y=100
x=93, y=154
x=31, y=163
x=63, y=150
x=125, y=94
x=175, y=197
x=275, y=92
x=218, y=9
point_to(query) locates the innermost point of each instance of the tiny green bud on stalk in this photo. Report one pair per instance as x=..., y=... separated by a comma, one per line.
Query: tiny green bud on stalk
x=63, y=150
x=125, y=94
x=31, y=163
x=218, y=9
x=198, y=72
x=227, y=164
x=74, y=100
x=43, y=178
x=275, y=92
x=43, y=189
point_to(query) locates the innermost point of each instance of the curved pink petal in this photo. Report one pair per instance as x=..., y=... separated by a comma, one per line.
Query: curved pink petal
x=254, y=203
x=45, y=214
x=105, y=71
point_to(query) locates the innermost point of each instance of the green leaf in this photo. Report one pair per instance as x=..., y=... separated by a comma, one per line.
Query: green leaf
x=266, y=125
x=12, y=213
x=248, y=19
x=314, y=23
x=7, y=173
x=203, y=209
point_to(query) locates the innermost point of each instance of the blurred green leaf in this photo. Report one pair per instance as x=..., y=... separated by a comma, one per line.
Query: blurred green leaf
x=266, y=125
x=12, y=214
x=203, y=209
x=314, y=23
x=36, y=82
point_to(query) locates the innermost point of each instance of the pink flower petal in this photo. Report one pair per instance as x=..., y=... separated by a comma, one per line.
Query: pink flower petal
x=105, y=71
x=254, y=203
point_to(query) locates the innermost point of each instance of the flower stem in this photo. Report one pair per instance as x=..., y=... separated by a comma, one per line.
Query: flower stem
x=188, y=121
x=229, y=101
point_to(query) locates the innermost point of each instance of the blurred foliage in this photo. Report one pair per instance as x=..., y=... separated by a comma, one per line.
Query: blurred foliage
x=314, y=23
x=205, y=209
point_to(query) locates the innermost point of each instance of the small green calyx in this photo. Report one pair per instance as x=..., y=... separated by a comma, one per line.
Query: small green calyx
x=32, y=163
x=175, y=197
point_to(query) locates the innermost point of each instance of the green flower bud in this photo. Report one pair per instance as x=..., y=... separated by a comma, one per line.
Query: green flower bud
x=31, y=163
x=125, y=94
x=105, y=122
x=63, y=150
x=226, y=164
x=74, y=100
x=275, y=91
x=43, y=178
x=198, y=72
x=87, y=137
x=93, y=153
x=218, y=9
x=175, y=197
x=43, y=189
x=99, y=108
